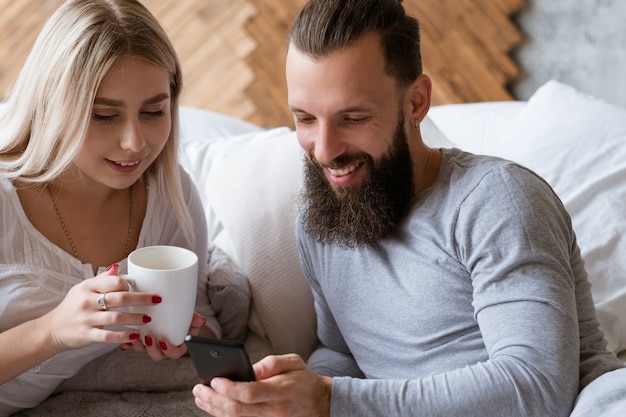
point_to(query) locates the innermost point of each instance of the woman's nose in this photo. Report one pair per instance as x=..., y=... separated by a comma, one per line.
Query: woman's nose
x=132, y=138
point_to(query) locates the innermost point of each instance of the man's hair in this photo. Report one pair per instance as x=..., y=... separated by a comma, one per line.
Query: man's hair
x=325, y=26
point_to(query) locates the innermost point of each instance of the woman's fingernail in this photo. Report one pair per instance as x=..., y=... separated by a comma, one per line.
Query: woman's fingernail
x=112, y=266
x=156, y=299
x=134, y=336
x=203, y=320
x=148, y=341
x=147, y=319
x=163, y=345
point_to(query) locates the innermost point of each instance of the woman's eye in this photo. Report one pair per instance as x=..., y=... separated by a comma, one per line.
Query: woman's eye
x=100, y=118
x=153, y=114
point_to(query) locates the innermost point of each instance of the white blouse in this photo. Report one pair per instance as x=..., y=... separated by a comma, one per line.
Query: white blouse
x=35, y=276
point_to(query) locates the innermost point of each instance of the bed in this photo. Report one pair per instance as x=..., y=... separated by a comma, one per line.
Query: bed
x=249, y=177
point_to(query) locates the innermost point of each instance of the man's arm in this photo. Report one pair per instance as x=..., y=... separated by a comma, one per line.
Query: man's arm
x=330, y=362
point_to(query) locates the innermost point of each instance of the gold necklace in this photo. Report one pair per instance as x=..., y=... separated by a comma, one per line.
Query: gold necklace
x=67, y=233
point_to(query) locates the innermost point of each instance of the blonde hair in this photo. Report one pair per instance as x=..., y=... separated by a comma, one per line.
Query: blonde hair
x=49, y=109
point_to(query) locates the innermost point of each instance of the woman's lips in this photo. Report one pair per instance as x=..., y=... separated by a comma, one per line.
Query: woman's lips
x=124, y=166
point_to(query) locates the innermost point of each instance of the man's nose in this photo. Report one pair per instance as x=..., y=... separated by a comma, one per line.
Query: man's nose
x=327, y=143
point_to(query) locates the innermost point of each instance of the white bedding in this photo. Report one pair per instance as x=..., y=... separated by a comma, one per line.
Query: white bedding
x=249, y=178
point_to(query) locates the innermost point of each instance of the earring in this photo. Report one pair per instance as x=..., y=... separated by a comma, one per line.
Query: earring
x=416, y=123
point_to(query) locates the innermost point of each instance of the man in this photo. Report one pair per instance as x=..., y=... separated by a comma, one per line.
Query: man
x=445, y=283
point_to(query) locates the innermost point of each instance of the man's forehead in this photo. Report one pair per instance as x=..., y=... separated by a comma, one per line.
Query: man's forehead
x=342, y=80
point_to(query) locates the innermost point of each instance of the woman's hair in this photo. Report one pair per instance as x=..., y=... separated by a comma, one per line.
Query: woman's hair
x=325, y=26
x=49, y=109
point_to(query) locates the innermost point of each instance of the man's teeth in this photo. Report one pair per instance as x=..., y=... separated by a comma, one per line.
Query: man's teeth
x=340, y=172
x=128, y=164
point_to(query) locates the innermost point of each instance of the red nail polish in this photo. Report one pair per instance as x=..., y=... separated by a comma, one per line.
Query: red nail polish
x=148, y=341
x=163, y=345
x=147, y=319
x=156, y=299
x=134, y=336
x=112, y=266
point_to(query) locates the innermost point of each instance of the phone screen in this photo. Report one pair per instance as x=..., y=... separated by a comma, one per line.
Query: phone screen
x=213, y=358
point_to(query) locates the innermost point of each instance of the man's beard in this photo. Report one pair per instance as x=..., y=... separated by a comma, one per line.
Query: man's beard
x=353, y=216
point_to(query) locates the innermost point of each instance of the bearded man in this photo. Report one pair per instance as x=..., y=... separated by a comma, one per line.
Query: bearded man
x=445, y=283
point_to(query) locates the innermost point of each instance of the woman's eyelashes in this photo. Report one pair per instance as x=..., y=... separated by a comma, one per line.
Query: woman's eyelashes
x=153, y=114
x=101, y=118
x=109, y=118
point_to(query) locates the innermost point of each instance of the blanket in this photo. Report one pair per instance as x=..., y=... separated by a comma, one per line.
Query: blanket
x=125, y=384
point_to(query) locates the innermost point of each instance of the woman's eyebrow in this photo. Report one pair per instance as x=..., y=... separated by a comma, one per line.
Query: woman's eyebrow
x=157, y=98
x=118, y=103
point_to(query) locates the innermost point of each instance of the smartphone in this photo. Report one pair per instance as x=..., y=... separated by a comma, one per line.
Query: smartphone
x=223, y=358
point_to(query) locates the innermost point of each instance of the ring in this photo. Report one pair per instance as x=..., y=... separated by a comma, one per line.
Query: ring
x=101, y=301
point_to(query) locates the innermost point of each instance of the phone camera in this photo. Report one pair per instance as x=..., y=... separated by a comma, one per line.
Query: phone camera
x=215, y=354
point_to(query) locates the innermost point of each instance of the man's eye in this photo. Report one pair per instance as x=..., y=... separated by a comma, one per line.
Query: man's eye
x=303, y=119
x=356, y=120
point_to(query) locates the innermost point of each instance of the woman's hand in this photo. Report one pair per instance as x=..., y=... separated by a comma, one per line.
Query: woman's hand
x=80, y=320
x=161, y=349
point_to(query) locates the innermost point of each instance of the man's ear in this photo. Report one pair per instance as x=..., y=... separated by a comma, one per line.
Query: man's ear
x=418, y=97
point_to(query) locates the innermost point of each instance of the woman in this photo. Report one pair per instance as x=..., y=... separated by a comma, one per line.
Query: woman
x=89, y=172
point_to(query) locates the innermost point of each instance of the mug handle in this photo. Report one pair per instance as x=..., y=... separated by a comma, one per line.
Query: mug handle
x=129, y=280
x=129, y=309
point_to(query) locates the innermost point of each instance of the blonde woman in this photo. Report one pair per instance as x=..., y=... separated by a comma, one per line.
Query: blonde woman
x=89, y=172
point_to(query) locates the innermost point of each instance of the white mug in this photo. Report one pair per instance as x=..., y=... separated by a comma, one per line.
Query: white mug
x=172, y=273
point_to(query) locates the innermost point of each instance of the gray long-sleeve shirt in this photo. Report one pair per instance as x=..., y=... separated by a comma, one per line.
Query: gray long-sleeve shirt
x=477, y=305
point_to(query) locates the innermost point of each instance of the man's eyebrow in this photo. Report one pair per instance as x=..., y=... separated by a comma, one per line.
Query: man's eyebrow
x=117, y=103
x=296, y=109
x=354, y=109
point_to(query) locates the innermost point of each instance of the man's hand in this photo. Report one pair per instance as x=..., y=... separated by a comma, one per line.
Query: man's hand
x=285, y=386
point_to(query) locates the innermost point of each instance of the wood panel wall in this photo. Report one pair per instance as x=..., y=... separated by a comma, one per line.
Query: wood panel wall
x=233, y=51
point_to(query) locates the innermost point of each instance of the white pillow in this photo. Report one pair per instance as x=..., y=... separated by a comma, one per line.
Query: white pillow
x=578, y=144
x=200, y=124
x=207, y=137
x=475, y=127
x=433, y=136
x=253, y=193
